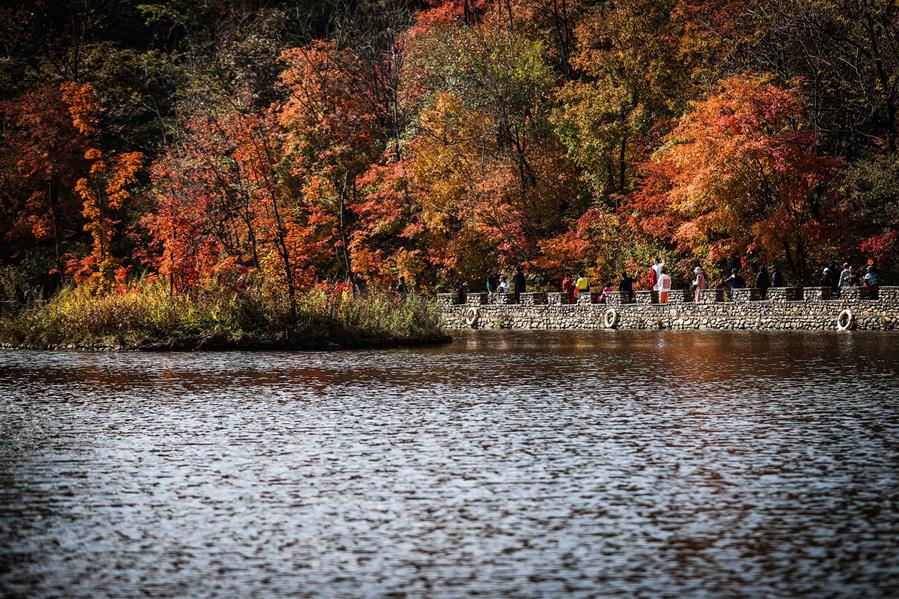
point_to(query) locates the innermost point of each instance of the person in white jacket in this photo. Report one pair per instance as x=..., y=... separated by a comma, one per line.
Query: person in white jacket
x=657, y=266
x=663, y=286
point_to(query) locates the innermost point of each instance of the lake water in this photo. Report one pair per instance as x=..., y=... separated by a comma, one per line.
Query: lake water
x=673, y=464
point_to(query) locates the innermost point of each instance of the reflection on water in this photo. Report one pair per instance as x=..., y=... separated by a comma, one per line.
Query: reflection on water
x=507, y=464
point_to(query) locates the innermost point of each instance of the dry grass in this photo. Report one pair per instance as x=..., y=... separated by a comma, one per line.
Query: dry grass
x=147, y=316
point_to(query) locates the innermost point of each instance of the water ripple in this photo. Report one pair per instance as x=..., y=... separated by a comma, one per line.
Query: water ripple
x=508, y=464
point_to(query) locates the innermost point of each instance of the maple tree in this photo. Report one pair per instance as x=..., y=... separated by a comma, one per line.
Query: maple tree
x=870, y=191
x=222, y=207
x=741, y=174
x=638, y=69
x=104, y=189
x=104, y=192
x=334, y=130
x=42, y=160
x=485, y=166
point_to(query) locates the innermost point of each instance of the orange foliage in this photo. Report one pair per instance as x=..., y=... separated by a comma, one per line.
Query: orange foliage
x=42, y=157
x=84, y=107
x=740, y=173
x=104, y=192
x=487, y=134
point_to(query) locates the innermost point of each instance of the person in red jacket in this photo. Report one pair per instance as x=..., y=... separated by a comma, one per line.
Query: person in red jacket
x=568, y=288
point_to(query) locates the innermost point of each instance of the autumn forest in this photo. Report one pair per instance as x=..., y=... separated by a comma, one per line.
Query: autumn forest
x=299, y=144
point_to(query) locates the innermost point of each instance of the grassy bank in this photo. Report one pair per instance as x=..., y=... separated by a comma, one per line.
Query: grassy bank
x=147, y=317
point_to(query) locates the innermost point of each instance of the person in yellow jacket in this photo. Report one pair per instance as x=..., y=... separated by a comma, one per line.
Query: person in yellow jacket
x=582, y=285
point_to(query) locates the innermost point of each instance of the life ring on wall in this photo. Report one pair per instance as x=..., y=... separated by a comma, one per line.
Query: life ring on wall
x=610, y=318
x=846, y=320
x=471, y=317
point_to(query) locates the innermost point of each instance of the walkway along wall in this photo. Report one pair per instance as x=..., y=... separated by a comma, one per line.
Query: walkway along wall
x=785, y=308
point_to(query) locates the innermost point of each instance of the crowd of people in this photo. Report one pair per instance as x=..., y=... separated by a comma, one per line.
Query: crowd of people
x=496, y=283
x=763, y=280
x=849, y=277
x=660, y=281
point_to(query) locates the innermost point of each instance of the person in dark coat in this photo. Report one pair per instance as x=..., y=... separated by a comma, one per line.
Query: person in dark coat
x=492, y=282
x=520, y=283
x=459, y=287
x=626, y=284
x=834, y=278
x=763, y=281
x=734, y=281
x=777, y=277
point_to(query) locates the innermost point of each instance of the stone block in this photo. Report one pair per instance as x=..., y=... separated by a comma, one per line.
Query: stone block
x=746, y=294
x=502, y=298
x=711, y=296
x=557, y=298
x=784, y=294
x=617, y=298
x=816, y=293
x=647, y=297
x=586, y=298
x=854, y=293
x=477, y=299
x=679, y=296
x=445, y=299
x=535, y=298
x=889, y=295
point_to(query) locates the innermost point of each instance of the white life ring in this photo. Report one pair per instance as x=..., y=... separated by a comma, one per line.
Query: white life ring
x=846, y=320
x=471, y=316
x=610, y=318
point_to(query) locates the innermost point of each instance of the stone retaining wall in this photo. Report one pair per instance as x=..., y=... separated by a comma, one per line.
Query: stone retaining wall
x=785, y=308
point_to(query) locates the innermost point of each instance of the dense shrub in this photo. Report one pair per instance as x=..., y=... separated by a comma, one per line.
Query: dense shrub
x=148, y=315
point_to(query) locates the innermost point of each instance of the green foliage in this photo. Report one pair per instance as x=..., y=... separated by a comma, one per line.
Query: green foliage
x=636, y=71
x=871, y=190
x=500, y=73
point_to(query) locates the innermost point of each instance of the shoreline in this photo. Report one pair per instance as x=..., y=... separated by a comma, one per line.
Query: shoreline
x=149, y=318
x=213, y=344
